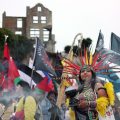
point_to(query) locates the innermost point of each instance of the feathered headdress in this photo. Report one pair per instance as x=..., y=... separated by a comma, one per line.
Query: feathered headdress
x=100, y=62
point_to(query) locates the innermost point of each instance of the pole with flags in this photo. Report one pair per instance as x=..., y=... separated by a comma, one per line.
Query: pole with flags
x=42, y=63
x=6, y=57
x=100, y=42
x=33, y=67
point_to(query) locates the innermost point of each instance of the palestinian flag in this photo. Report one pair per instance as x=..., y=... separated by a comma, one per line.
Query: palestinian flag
x=35, y=78
x=46, y=84
x=26, y=74
x=13, y=74
x=6, y=52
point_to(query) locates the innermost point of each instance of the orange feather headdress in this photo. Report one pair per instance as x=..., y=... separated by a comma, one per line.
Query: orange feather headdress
x=100, y=62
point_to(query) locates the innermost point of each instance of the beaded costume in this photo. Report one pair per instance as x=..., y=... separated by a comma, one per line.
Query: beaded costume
x=99, y=63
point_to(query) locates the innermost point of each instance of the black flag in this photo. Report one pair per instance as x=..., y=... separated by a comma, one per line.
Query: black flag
x=41, y=61
x=115, y=44
x=100, y=42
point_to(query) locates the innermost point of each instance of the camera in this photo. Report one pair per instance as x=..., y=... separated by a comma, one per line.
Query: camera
x=71, y=93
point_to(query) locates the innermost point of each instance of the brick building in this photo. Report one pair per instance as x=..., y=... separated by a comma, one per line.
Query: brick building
x=37, y=23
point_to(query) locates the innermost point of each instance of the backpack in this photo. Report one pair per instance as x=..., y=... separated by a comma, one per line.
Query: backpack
x=19, y=115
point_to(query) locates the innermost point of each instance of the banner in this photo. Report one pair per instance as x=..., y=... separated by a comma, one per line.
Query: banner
x=115, y=44
x=100, y=42
x=41, y=60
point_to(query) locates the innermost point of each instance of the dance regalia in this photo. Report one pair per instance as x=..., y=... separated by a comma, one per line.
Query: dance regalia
x=101, y=107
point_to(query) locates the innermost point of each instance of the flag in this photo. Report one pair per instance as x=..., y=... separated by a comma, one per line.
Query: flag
x=100, y=42
x=115, y=44
x=39, y=78
x=25, y=74
x=107, y=55
x=13, y=74
x=41, y=60
x=46, y=84
x=6, y=52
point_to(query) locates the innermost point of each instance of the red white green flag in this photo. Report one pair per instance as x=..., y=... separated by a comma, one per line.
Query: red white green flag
x=6, y=53
x=13, y=74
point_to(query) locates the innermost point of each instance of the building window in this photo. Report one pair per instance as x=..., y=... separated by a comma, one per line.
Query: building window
x=43, y=19
x=18, y=32
x=19, y=22
x=35, y=19
x=39, y=9
x=34, y=32
x=45, y=35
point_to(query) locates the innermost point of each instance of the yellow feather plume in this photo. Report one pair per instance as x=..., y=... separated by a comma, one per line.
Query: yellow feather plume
x=86, y=58
x=67, y=102
x=90, y=59
x=102, y=104
x=72, y=114
x=110, y=92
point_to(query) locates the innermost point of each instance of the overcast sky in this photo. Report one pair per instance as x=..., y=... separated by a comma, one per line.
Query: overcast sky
x=73, y=16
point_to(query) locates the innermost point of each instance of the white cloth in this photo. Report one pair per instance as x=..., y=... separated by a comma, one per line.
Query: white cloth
x=109, y=114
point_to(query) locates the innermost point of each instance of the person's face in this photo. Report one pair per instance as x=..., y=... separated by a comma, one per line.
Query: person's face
x=86, y=74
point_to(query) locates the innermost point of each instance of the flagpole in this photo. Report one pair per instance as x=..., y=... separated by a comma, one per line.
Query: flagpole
x=6, y=36
x=33, y=67
x=62, y=86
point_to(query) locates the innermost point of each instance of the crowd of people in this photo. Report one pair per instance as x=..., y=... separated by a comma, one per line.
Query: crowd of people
x=91, y=101
x=88, y=98
x=35, y=103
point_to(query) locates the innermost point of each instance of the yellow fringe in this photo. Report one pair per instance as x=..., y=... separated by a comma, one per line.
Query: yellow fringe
x=90, y=59
x=102, y=104
x=67, y=102
x=86, y=60
x=110, y=92
x=72, y=114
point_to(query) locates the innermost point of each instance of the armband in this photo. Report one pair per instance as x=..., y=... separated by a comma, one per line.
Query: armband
x=101, y=88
